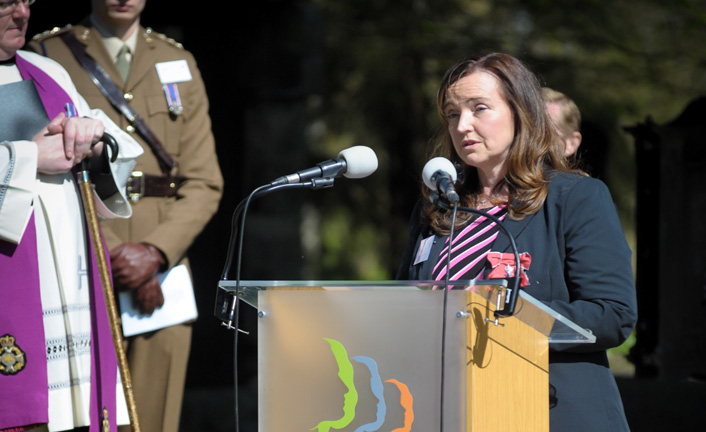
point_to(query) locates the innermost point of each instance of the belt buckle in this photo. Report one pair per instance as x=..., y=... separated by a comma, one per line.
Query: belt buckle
x=133, y=192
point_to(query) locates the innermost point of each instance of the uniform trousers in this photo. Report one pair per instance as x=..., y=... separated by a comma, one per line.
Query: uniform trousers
x=159, y=359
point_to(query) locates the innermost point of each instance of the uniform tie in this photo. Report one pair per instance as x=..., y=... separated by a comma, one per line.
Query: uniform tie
x=123, y=62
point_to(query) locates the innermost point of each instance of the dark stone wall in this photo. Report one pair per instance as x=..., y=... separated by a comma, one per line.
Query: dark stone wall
x=671, y=243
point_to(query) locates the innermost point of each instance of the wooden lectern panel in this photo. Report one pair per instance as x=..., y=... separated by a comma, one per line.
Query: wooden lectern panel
x=507, y=372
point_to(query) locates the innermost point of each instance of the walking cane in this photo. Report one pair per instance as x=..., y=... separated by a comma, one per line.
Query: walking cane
x=106, y=279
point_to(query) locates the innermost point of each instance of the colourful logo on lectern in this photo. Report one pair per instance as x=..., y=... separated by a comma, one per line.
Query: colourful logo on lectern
x=350, y=398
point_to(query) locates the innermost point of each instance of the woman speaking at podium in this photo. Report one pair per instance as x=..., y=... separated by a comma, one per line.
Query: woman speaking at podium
x=575, y=259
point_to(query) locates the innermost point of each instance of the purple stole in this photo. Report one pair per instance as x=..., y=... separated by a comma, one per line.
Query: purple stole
x=24, y=395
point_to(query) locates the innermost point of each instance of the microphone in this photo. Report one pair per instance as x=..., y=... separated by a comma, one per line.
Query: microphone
x=439, y=175
x=354, y=162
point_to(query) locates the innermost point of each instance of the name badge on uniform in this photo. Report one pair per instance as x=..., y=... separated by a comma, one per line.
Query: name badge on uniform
x=170, y=73
x=424, y=250
x=173, y=72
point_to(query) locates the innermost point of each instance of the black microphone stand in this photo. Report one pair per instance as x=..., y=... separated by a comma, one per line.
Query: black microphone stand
x=236, y=241
x=511, y=295
x=454, y=210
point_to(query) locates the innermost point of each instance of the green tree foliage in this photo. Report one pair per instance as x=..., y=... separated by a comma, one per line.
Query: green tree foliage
x=620, y=60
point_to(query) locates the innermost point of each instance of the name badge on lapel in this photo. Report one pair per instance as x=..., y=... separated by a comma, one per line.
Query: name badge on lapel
x=170, y=73
x=424, y=250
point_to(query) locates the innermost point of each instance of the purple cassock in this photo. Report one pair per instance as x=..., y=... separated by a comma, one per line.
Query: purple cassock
x=24, y=390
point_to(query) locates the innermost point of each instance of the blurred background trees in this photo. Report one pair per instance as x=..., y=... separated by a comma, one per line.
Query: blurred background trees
x=293, y=82
x=620, y=61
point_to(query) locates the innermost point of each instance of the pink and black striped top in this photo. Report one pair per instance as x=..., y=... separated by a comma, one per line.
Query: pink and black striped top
x=470, y=247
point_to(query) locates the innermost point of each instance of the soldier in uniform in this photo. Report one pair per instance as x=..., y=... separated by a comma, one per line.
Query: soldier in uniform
x=174, y=194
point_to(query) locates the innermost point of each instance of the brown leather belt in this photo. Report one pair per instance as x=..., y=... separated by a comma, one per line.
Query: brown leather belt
x=141, y=185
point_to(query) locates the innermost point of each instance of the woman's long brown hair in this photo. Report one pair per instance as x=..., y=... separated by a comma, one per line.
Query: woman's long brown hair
x=535, y=151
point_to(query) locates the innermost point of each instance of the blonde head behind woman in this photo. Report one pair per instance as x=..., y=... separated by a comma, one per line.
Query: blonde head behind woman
x=566, y=118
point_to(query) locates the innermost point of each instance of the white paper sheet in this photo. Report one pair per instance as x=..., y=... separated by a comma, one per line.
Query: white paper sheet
x=179, y=305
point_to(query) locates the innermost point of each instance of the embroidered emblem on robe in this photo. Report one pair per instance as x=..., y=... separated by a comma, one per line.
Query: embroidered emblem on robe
x=12, y=358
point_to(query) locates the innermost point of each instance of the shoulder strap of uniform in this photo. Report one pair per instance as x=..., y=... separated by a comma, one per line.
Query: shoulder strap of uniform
x=40, y=38
x=111, y=91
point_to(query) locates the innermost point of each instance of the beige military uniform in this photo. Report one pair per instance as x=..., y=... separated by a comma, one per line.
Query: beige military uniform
x=157, y=360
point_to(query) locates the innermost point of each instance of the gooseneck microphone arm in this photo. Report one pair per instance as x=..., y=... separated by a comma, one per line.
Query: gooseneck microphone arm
x=317, y=183
x=236, y=236
x=514, y=282
x=234, y=312
x=439, y=175
x=354, y=162
x=510, y=298
x=238, y=233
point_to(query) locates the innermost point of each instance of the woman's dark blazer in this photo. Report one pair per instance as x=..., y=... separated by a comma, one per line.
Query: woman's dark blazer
x=581, y=269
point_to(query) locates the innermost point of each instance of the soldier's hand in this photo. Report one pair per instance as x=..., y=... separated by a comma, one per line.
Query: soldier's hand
x=148, y=297
x=134, y=264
